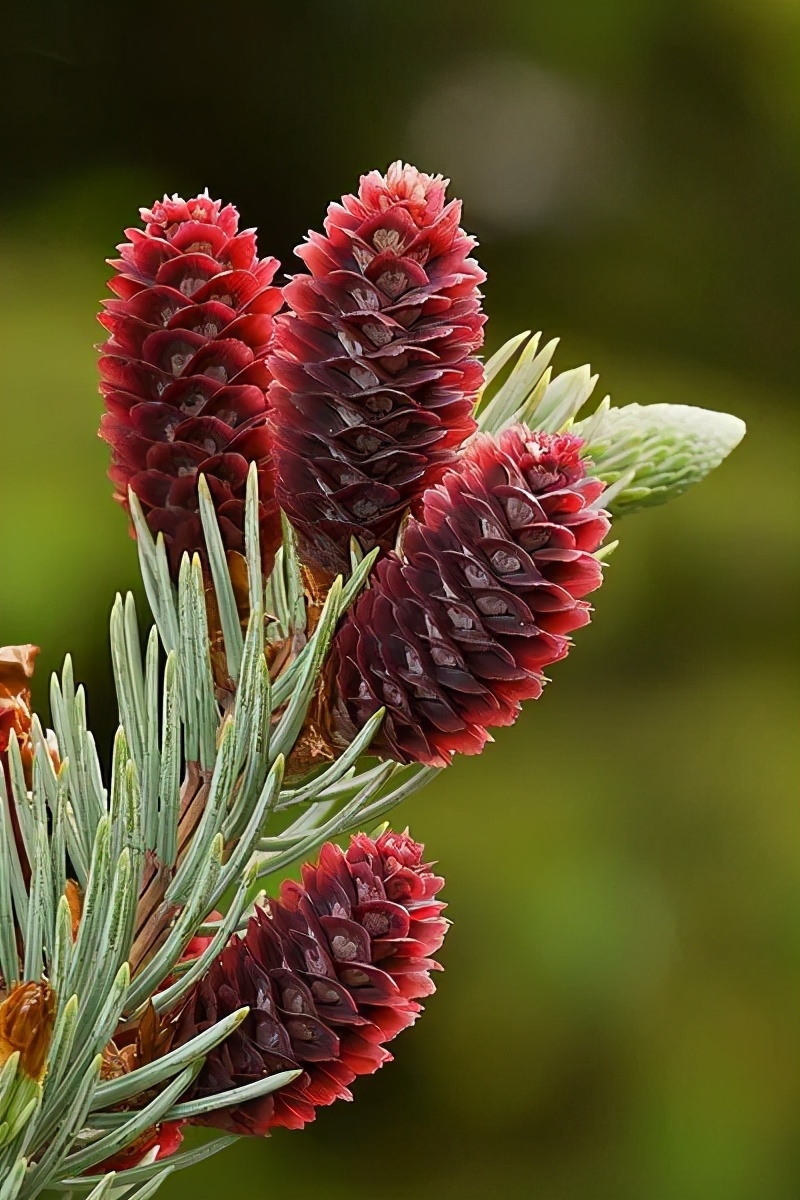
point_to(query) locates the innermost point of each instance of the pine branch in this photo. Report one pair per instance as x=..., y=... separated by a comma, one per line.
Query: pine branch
x=197, y=773
x=105, y=885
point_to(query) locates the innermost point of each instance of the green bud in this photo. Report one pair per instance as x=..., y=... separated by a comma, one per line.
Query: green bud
x=653, y=453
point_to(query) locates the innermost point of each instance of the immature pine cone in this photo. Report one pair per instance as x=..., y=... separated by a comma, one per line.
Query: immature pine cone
x=375, y=378
x=184, y=372
x=451, y=636
x=331, y=971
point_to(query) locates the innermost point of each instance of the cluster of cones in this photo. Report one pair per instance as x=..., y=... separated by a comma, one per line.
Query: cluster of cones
x=331, y=970
x=353, y=390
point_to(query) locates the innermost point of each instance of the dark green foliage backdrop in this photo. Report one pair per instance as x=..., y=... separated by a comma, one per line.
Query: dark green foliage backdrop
x=618, y=1018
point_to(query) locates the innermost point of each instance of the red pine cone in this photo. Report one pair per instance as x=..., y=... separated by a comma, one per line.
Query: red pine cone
x=374, y=367
x=453, y=635
x=184, y=371
x=331, y=971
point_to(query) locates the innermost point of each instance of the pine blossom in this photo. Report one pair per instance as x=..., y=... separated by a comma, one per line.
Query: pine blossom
x=375, y=374
x=184, y=372
x=454, y=634
x=332, y=970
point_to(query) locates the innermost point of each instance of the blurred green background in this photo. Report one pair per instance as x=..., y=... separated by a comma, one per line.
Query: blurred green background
x=618, y=1018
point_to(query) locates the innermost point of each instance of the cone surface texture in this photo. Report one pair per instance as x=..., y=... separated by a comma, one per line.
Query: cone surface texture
x=454, y=634
x=332, y=970
x=375, y=365
x=184, y=374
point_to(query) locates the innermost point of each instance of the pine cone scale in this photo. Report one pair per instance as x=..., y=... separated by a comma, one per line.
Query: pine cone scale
x=183, y=371
x=374, y=374
x=331, y=970
x=453, y=635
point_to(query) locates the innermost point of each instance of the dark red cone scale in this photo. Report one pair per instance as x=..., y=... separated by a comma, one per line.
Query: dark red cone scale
x=375, y=374
x=454, y=634
x=331, y=971
x=184, y=374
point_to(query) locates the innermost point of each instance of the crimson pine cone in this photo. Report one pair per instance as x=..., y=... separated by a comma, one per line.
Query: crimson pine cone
x=331, y=971
x=451, y=636
x=184, y=372
x=375, y=374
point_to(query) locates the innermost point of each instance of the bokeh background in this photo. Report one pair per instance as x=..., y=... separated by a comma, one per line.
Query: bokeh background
x=618, y=1018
